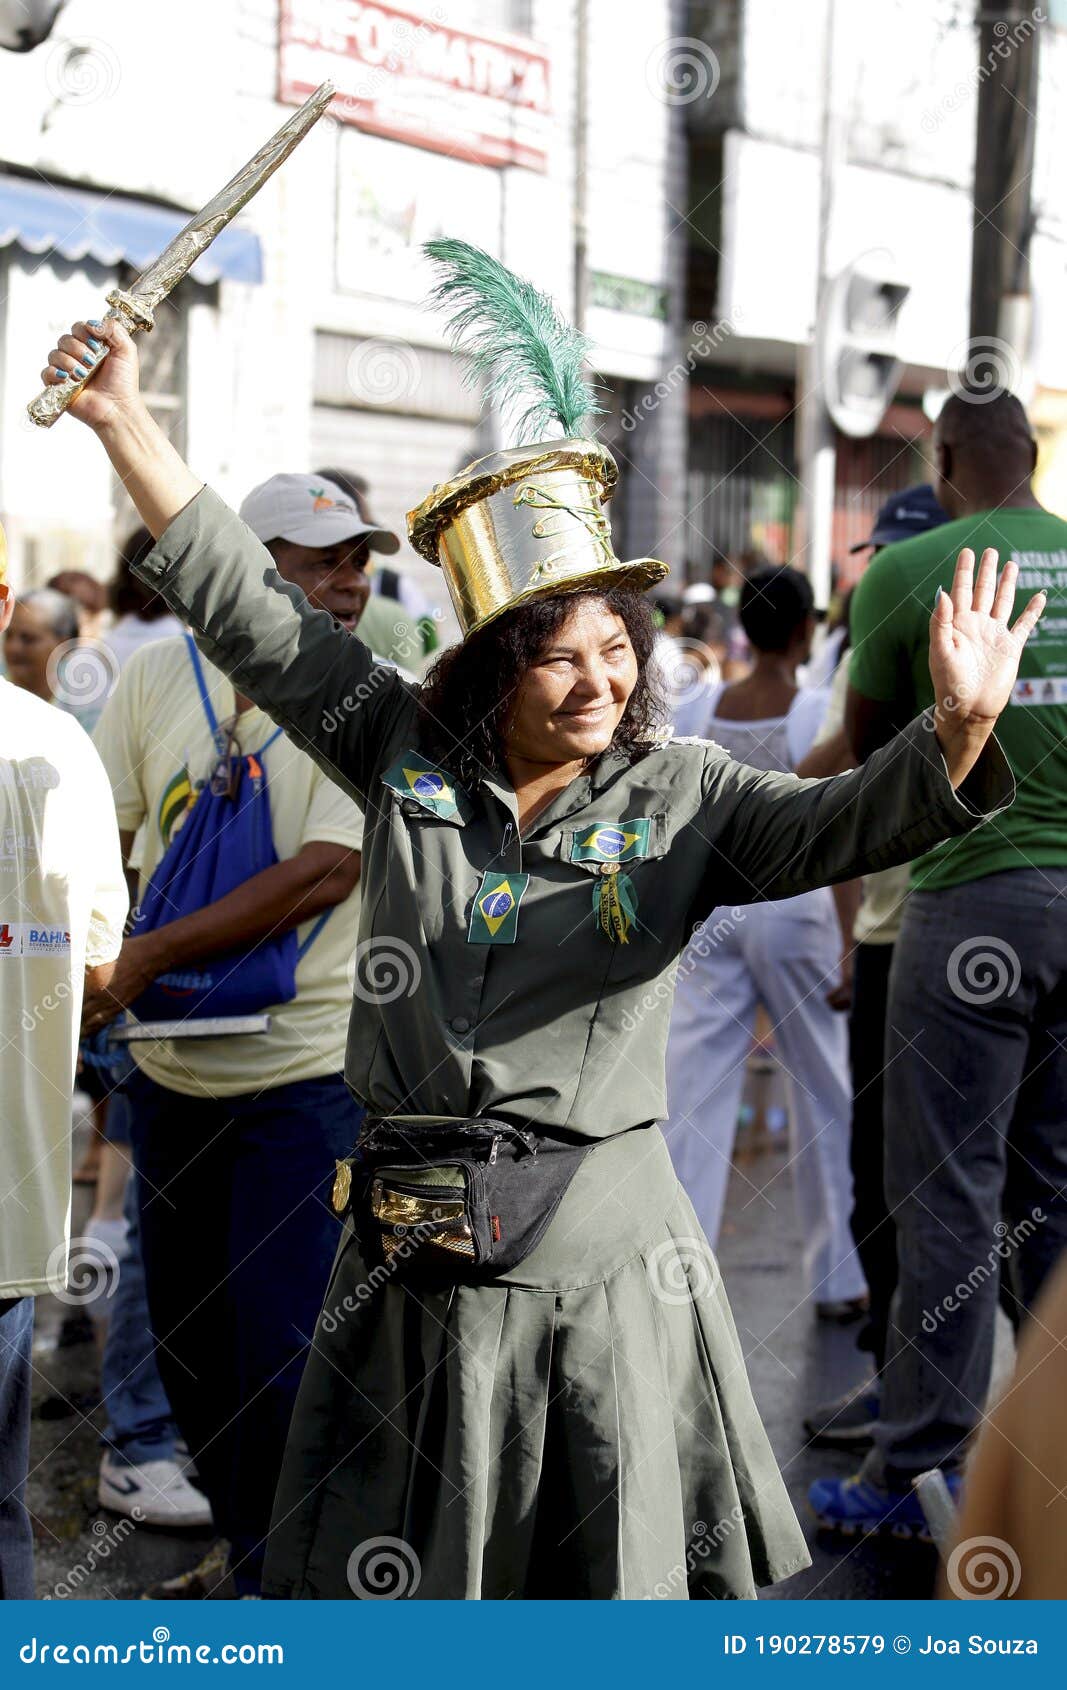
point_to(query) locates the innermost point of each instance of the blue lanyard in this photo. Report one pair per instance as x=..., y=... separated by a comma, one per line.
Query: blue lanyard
x=205, y=698
x=220, y=747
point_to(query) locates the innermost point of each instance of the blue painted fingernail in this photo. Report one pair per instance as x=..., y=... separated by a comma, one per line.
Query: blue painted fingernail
x=90, y=360
x=78, y=371
x=62, y=374
x=95, y=323
x=95, y=344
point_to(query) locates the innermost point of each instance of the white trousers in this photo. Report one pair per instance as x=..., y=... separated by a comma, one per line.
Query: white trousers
x=784, y=955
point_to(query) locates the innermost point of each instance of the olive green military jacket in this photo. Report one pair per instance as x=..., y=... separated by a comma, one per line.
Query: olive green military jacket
x=484, y=980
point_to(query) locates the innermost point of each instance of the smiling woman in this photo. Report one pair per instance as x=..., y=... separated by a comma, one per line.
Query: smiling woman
x=560, y=679
x=526, y=1381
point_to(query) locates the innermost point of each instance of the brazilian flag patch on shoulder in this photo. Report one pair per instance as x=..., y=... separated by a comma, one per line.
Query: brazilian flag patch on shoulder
x=495, y=914
x=429, y=785
x=612, y=842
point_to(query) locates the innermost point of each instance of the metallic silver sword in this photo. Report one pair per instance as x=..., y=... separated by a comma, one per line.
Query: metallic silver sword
x=136, y=307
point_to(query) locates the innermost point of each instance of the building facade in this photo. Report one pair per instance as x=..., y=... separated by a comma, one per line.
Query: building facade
x=908, y=74
x=536, y=128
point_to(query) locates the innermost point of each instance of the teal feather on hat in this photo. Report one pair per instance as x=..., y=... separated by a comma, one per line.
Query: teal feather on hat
x=517, y=343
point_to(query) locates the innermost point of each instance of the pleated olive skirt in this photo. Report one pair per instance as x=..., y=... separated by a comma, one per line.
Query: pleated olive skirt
x=581, y=1427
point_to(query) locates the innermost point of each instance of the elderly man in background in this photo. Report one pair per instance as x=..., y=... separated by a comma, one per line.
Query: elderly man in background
x=63, y=903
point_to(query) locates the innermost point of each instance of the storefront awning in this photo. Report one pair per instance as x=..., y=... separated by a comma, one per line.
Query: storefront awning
x=78, y=224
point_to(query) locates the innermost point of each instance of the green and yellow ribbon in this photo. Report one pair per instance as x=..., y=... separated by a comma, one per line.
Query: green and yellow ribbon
x=615, y=904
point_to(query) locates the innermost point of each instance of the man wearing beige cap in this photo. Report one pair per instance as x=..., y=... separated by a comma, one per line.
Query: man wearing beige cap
x=313, y=526
x=235, y=1137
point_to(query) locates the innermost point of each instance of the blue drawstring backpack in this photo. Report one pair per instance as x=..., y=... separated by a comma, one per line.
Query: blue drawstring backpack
x=226, y=838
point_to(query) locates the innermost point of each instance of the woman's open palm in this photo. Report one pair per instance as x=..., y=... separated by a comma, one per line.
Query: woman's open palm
x=974, y=653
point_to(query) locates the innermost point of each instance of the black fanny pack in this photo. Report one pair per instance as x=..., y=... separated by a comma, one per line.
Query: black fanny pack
x=470, y=1198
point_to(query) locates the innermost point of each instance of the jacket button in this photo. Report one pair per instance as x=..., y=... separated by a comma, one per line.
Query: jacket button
x=460, y=1024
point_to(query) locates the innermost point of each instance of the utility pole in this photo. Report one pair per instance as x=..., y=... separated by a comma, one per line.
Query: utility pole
x=1008, y=37
x=817, y=453
x=581, y=163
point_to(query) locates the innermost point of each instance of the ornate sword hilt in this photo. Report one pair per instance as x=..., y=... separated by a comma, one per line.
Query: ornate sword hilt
x=51, y=402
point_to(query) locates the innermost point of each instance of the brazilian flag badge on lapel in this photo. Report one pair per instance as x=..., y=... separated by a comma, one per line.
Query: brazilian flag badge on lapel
x=430, y=786
x=612, y=842
x=495, y=915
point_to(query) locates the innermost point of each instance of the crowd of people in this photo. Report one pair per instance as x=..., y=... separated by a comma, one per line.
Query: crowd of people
x=201, y=864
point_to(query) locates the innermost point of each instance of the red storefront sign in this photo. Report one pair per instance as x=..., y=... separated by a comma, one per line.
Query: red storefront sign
x=415, y=78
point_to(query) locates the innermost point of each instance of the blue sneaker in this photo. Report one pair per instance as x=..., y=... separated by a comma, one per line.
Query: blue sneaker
x=856, y=1506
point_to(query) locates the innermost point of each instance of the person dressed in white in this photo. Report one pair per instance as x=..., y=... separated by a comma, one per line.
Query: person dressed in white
x=785, y=955
x=63, y=903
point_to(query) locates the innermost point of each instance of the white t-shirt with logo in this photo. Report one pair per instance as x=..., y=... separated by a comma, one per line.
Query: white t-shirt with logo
x=62, y=907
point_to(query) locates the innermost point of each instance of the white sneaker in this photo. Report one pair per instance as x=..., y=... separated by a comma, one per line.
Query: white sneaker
x=155, y=1493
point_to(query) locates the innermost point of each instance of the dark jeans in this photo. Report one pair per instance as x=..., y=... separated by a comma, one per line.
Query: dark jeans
x=140, y=1425
x=976, y=1145
x=16, y=1535
x=238, y=1237
x=872, y=1224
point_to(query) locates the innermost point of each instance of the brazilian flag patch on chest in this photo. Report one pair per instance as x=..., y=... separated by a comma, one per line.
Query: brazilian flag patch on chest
x=495, y=915
x=429, y=785
x=607, y=846
x=612, y=842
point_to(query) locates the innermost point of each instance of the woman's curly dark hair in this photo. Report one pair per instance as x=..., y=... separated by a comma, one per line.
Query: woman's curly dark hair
x=472, y=689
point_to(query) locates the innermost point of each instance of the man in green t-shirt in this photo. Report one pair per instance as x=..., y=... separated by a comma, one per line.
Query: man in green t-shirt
x=976, y=1047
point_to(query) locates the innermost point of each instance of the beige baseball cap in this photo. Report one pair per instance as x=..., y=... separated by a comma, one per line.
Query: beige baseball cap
x=309, y=510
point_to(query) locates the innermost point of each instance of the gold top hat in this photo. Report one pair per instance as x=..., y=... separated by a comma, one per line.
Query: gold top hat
x=523, y=524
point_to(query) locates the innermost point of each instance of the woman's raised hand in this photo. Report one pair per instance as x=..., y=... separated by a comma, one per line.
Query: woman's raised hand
x=157, y=480
x=114, y=387
x=974, y=654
